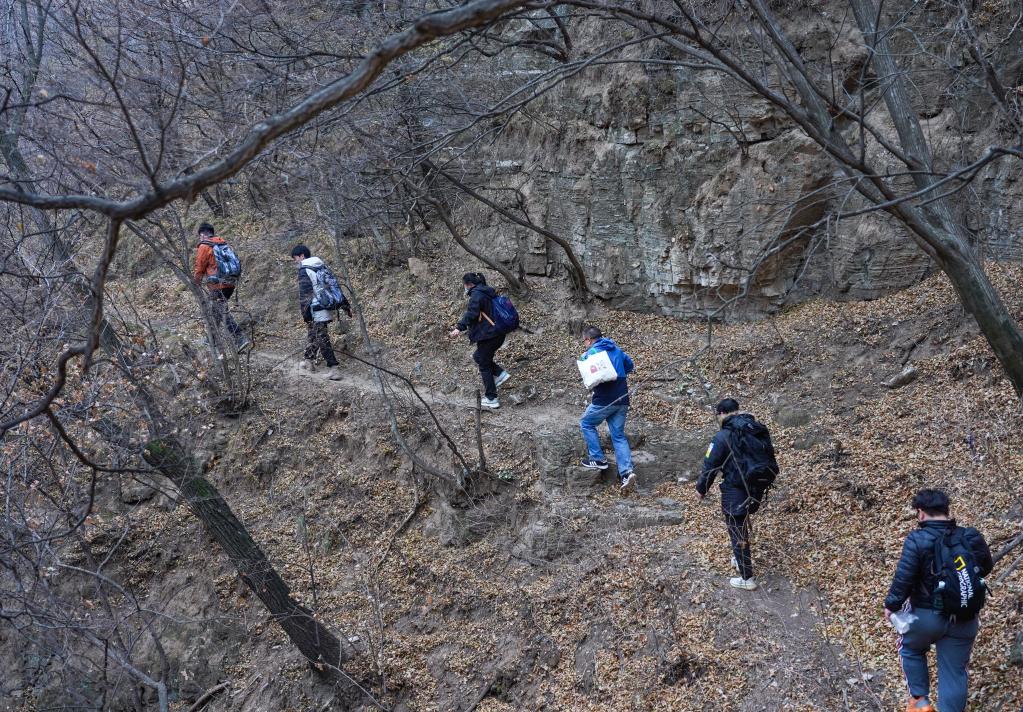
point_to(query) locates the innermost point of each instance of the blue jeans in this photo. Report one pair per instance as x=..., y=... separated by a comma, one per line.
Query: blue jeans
x=954, y=640
x=615, y=417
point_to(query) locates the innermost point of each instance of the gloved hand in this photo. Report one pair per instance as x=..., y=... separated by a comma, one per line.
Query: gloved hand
x=347, y=309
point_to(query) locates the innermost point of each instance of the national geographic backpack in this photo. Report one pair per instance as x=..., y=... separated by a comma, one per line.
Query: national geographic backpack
x=960, y=590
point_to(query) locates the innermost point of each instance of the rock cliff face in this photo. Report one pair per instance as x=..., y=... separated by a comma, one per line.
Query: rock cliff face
x=680, y=190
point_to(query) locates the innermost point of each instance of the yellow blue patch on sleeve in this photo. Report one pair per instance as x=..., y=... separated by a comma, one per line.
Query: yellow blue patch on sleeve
x=710, y=448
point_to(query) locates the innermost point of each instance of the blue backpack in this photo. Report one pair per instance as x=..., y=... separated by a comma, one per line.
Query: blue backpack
x=506, y=319
x=329, y=295
x=229, y=267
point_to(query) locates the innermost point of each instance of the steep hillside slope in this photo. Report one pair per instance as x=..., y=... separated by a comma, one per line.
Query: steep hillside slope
x=540, y=586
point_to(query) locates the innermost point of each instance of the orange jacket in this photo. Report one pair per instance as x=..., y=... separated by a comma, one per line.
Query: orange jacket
x=206, y=264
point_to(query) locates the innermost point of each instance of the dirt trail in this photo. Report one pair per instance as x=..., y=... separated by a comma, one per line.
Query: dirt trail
x=783, y=617
x=528, y=414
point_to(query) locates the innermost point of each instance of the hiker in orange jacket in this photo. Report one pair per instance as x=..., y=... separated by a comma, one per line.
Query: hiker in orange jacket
x=207, y=272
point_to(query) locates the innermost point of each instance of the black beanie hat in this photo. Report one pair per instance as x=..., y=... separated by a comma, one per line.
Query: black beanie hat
x=473, y=278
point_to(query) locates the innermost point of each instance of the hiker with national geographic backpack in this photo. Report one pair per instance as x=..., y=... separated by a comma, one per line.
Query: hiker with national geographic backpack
x=488, y=318
x=742, y=453
x=934, y=599
x=219, y=269
x=319, y=297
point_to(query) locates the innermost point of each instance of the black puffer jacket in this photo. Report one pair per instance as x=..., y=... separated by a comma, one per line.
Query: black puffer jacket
x=480, y=302
x=915, y=577
x=719, y=460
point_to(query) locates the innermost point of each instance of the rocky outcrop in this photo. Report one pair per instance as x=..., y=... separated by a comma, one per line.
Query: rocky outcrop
x=681, y=191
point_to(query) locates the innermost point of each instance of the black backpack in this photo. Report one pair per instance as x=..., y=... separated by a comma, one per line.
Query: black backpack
x=750, y=443
x=960, y=590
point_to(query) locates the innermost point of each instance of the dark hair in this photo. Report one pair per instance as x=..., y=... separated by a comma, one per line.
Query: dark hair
x=473, y=278
x=933, y=502
x=728, y=405
x=592, y=332
x=301, y=251
x=206, y=229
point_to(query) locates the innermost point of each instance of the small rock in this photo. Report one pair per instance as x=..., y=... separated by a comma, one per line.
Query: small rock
x=418, y=268
x=908, y=375
x=790, y=416
x=1016, y=650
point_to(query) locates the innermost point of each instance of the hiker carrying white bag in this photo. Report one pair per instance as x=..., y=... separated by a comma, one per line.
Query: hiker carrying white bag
x=604, y=369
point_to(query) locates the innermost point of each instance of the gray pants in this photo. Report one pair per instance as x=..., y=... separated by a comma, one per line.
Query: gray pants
x=954, y=641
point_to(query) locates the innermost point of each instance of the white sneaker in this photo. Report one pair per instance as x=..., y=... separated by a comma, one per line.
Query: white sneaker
x=335, y=373
x=502, y=378
x=306, y=366
x=745, y=584
x=626, y=477
x=491, y=403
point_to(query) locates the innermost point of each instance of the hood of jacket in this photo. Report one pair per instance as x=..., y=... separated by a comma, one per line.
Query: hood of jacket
x=484, y=289
x=602, y=344
x=738, y=420
x=313, y=262
x=617, y=356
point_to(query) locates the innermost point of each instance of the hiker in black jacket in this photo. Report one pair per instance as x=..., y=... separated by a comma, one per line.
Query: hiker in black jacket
x=736, y=500
x=478, y=321
x=913, y=590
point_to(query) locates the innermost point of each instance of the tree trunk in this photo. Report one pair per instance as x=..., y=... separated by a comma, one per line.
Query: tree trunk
x=321, y=647
x=935, y=223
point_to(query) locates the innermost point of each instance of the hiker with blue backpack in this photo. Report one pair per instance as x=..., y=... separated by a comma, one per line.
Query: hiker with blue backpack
x=319, y=297
x=742, y=453
x=219, y=269
x=488, y=318
x=935, y=598
x=605, y=368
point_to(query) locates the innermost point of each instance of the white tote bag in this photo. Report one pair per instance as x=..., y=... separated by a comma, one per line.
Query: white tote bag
x=596, y=369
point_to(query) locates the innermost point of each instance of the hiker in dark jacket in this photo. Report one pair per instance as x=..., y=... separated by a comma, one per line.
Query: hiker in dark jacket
x=479, y=323
x=205, y=274
x=315, y=318
x=913, y=588
x=736, y=502
x=610, y=402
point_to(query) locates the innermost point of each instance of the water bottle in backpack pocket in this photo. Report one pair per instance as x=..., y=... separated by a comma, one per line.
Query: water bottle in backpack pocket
x=960, y=590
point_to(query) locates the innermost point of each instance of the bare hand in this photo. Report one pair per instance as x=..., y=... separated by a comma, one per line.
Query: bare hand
x=888, y=614
x=454, y=334
x=700, y=496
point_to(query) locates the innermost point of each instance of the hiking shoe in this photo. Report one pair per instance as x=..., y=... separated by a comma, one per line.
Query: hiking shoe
x=491, y=403
x=920, y=704
x=745, y=584
x=626, y=477
x=502, y=378
x=335, y=373
x=735, y=564
x=595, y=464
x=306, y=366
x=244, y=345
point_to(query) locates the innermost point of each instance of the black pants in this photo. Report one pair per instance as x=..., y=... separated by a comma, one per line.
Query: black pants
x=484, y=358
x=221, y=314
x=319, y=340
x=740, y=531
